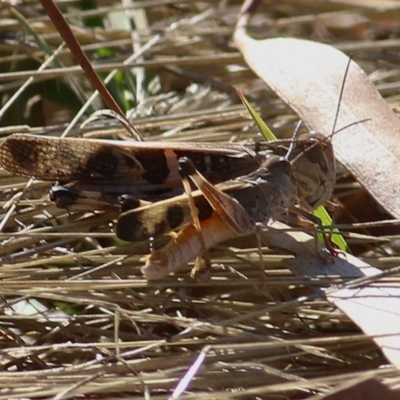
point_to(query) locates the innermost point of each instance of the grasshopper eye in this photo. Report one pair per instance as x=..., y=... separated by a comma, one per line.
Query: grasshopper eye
x=285, y=166
x=281, y=163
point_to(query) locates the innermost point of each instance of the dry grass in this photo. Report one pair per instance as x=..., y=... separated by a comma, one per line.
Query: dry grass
x=77, y=317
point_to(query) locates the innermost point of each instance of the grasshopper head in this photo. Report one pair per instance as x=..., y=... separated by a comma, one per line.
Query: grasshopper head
x=314, y=170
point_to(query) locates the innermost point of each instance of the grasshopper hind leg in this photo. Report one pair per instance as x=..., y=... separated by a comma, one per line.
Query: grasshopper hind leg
x=187, y=169
x=228, y=219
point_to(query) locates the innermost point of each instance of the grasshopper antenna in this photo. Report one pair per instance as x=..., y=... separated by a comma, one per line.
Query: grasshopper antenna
x=341, y=92
x=326, y=138
x=296, y=131
x=294, y=137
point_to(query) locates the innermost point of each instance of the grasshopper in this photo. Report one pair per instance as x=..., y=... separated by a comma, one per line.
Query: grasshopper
x=231, y=208
x=237, y=185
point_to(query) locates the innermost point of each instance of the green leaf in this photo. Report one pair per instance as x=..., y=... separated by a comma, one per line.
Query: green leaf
x=262, y=126
x=326, y=220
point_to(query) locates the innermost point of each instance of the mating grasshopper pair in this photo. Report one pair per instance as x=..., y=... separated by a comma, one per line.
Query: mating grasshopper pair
x=237, y=186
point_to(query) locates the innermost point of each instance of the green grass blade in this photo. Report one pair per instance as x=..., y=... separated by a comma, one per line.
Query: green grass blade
x=326, y=220
x=262, y=126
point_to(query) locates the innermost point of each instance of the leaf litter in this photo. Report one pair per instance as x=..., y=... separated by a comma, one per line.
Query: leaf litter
x=78, y=319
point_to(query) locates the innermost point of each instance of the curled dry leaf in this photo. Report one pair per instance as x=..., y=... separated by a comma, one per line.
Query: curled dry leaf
x=308, y=76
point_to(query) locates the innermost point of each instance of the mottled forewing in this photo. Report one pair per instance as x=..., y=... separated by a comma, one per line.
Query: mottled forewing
x=65, y=160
